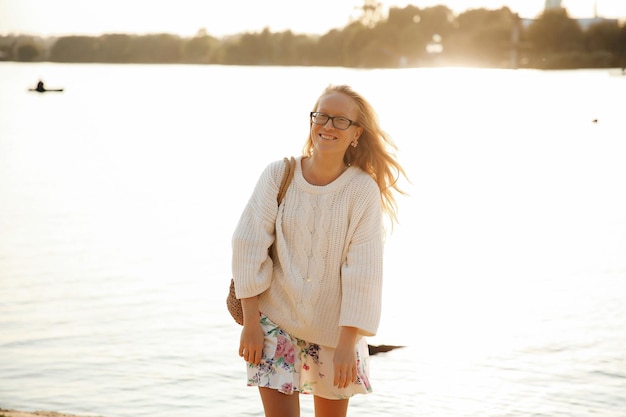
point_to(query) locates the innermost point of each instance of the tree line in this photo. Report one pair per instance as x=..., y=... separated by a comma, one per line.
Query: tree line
x=409, y=36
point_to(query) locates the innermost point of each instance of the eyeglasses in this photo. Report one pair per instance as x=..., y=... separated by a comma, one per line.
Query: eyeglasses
x=338, y=122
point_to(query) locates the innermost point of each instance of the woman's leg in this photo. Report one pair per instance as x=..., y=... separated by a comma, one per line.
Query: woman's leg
x=330, y=408
x=277, y=404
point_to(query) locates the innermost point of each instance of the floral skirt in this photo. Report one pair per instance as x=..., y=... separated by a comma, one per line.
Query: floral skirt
x=293, y=365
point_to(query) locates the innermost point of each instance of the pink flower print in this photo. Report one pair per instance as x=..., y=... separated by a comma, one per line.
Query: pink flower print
x=287, y=387
x=285, y=350
x=306, y=367
x=290, y=354
x=281, y=346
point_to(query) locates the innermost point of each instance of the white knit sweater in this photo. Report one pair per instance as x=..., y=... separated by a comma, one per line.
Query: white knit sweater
x=330, y=250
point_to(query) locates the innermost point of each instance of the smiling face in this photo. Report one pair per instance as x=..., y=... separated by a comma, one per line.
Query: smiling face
x=327, y=139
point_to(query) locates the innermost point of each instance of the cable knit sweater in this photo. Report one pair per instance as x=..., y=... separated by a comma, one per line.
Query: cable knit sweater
x=329, y=241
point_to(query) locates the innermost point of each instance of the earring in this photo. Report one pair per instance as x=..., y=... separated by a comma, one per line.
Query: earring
x=354, y=143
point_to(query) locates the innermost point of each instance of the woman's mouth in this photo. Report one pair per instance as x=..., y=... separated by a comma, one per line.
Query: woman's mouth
x=327, y=137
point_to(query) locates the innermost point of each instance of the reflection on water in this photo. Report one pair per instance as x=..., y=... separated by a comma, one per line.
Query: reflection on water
x=504, y=279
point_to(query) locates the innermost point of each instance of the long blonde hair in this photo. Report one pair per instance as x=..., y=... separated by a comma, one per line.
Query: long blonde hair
x=375, y=153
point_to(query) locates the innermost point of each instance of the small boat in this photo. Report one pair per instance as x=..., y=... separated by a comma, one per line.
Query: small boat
x=42, y=89
x=46, y=90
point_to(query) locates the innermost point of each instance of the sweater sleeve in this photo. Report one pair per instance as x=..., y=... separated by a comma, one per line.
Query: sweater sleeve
x=251, y=265
x=362, y=272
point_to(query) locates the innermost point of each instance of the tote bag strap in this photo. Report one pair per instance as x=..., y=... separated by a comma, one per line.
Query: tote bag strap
x=290, y=168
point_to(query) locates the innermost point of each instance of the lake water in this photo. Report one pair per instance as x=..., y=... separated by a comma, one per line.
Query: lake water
x=505, y=279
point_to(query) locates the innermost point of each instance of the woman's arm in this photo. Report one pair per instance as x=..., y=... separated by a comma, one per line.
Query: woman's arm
x=252, y=337
x=344, y=361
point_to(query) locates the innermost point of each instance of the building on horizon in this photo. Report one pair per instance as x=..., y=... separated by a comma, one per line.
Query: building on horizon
x=553, y=4
x=584, y=22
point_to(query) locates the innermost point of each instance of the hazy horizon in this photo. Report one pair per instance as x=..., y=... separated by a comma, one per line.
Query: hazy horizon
x=186, y=17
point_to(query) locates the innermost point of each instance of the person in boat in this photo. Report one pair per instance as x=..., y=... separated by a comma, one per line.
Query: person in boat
x=308, y=310
x=41, y=88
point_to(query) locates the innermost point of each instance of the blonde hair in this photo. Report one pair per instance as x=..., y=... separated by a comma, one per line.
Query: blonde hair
x=374, y=153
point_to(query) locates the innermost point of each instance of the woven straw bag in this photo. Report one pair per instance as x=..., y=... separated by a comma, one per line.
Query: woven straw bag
x=232, y=302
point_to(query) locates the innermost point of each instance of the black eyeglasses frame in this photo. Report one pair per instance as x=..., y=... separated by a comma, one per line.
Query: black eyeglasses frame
x=314, y=114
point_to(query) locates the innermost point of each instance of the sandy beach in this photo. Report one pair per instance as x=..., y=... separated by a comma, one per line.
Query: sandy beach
x=14, y=413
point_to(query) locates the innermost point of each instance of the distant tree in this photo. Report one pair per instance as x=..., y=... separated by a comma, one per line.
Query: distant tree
x=483, y=37
x=170, y=48
x=555, y=32
x=115, y=48
x=75, y=49
x=411, y=34
x=294, y=49
x=200, y=49
x=437, y=21
x=250, y=49
x=157, y=48
x=621, y=53
x=28, y=52
x=557, y=42
x=408, y=36
x=416, y=28
x=371, y=13
x=370, y=47
x=603, y=36
x=330, y=49
x=436, y=25
x=7, y=43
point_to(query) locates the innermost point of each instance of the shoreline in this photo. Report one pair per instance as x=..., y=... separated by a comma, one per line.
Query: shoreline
x=16, y=413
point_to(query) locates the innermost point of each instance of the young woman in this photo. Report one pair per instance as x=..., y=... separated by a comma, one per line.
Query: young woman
x=308, y=310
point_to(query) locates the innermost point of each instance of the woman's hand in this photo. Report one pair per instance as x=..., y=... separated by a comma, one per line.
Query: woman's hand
x=344, y=361
x=252, y=336
x=251, y=343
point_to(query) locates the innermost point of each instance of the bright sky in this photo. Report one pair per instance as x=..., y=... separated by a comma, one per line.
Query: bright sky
x=223, y=17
